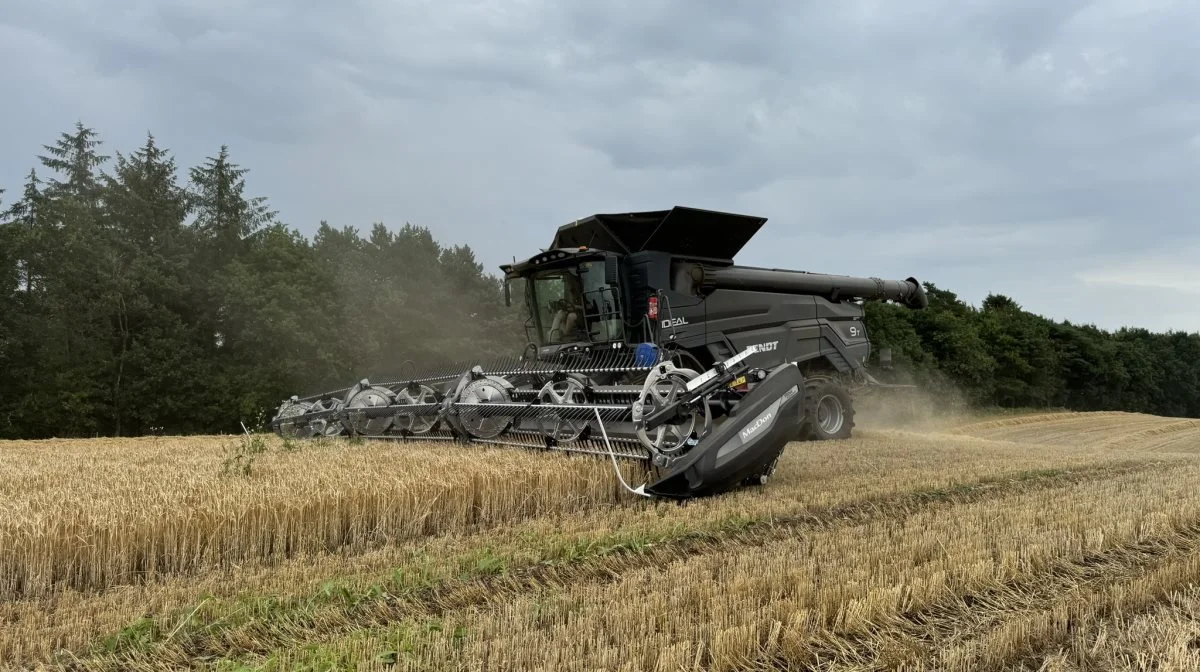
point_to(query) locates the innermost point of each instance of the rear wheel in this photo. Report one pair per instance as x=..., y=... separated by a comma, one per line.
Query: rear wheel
x=829, y=412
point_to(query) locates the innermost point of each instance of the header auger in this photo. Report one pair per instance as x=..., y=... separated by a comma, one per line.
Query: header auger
x=646, y=343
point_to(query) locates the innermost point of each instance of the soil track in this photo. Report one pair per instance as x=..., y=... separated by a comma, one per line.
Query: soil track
x=1001, y=543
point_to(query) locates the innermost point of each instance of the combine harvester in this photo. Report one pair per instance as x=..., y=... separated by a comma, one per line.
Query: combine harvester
x=646, y=343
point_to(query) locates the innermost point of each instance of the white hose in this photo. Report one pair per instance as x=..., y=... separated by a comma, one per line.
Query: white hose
x=640, y=490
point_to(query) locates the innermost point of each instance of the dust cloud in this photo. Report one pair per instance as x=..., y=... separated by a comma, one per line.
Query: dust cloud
x=912, y=409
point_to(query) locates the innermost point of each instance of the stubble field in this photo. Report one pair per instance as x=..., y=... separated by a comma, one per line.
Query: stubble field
x=1066, y=541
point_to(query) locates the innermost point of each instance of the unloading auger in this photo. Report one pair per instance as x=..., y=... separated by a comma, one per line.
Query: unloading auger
x=646, y=344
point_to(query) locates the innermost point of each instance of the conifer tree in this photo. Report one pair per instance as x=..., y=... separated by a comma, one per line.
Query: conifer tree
x=153, y=356
x=225, y=216
x=75, y=157
x=65, y=337
x=26, y=238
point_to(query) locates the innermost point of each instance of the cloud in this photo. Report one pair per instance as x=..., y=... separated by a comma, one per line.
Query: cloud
x=1175, y=273
x=987, y=146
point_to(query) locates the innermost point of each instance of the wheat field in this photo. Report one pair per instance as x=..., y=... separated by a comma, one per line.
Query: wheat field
x=1048, y=541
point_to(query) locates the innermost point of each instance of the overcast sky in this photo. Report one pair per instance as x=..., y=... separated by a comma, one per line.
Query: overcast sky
x=1047, y=150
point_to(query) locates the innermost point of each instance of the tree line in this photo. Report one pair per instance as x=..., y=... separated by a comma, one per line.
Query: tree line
x=1000, y=355
x=138, y=297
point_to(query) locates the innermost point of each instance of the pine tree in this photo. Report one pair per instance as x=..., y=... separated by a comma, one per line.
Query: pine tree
x=147, y=297
x=74, y=156
x=226, y=219
x=225, y=216
x=67, y=252
x=25, y=216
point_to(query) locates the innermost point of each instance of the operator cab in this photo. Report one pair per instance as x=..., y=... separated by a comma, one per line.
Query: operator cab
x=593, y=286
x=573, y=298
x=574, y=304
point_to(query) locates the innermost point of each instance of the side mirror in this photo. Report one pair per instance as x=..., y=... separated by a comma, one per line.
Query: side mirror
x=507, y=294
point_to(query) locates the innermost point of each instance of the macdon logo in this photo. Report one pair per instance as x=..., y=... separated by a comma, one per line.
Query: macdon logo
x=674, y=322
x=747, y=432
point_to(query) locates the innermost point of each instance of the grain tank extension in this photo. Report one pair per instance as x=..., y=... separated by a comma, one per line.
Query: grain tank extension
x=646, y=342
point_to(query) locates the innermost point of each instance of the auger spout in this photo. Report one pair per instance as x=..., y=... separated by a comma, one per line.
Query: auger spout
x=907, y=292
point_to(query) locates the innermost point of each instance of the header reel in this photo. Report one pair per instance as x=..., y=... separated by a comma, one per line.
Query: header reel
x=673, y=418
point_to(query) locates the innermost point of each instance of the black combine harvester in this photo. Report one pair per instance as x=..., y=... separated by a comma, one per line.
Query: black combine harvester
x=646, y=342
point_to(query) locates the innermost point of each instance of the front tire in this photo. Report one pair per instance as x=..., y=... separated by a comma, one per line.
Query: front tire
x=829, y=412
